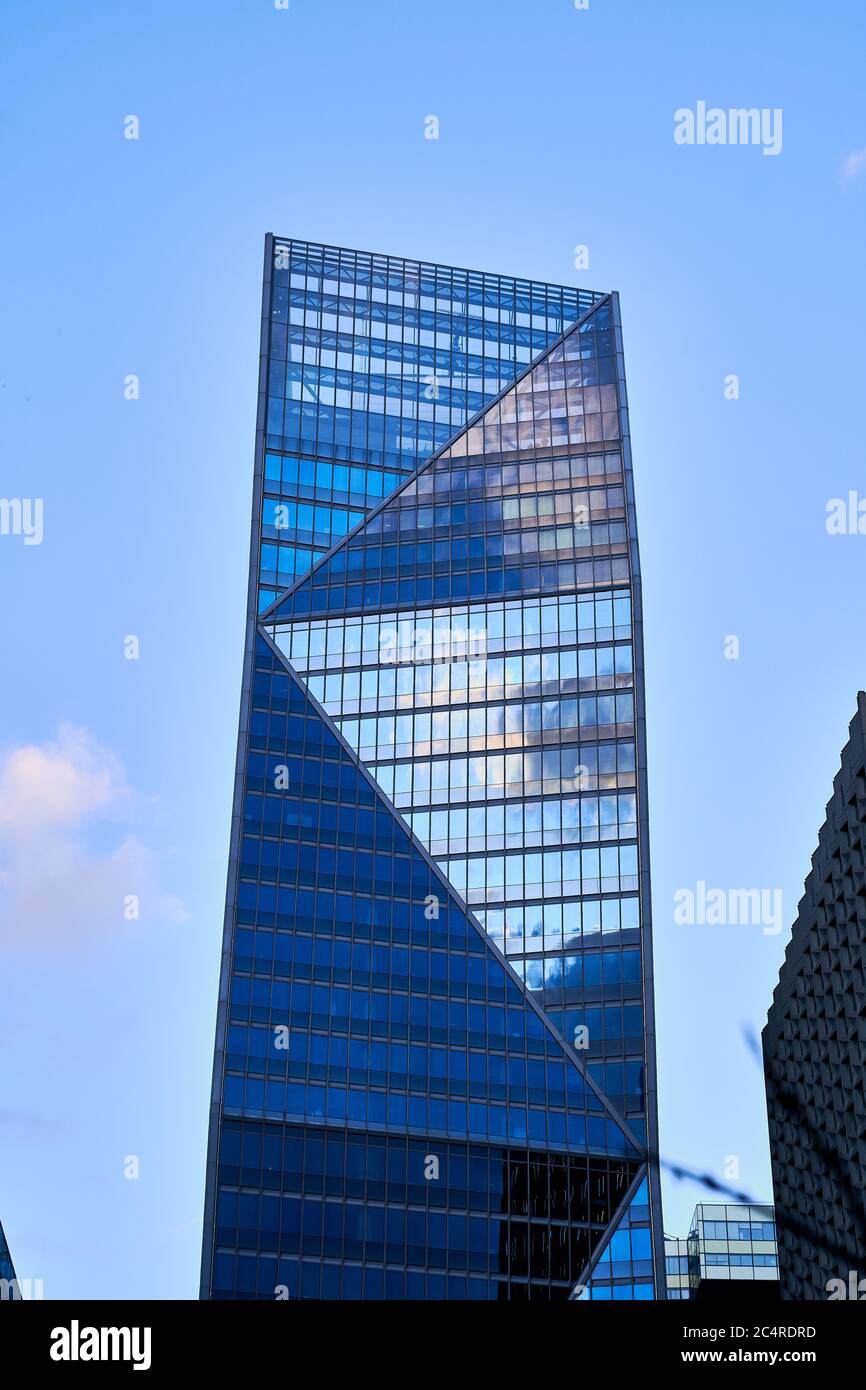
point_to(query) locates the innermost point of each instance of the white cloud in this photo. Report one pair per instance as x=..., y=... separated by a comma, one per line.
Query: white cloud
x=854, y=165
x=62, y=782
x=56, y=886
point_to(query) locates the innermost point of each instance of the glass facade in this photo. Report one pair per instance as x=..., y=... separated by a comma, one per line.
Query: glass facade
x=726, y=1245
x=8, y=1282
x=622, y=1268
x=677, y=1267
x=372, y=363
x=437, y=932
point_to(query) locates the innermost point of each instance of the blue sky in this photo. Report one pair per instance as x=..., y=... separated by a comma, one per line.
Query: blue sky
x=144, y=257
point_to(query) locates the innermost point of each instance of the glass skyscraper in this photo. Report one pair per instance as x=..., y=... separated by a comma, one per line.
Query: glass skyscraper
x=435, y=1071
x=8, y=1282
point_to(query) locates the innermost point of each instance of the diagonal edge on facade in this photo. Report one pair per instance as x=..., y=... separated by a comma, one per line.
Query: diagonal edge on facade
x=610, y=1228
x=269, y=614
x=451, y=892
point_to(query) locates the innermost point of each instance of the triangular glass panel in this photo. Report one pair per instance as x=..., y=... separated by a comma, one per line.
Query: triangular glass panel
x=361, y=939
x=7, y=1270
x=509, y=507
x=623, y=1269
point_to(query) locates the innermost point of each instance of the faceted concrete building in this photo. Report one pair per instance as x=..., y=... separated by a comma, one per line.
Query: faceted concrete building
x=435, y=1070
x=815, y=1052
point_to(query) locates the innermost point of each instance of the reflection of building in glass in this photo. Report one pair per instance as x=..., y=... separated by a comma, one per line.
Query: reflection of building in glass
x=730, y=1252
x=435, y=1072
x=815, y=1052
